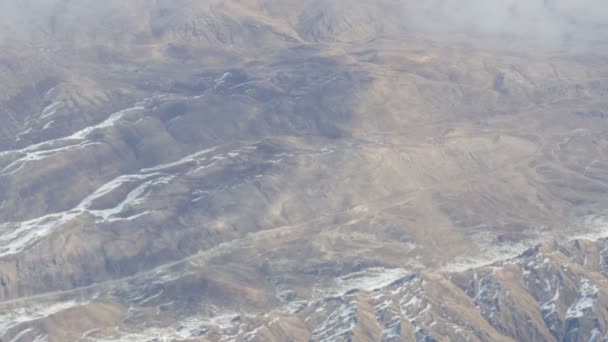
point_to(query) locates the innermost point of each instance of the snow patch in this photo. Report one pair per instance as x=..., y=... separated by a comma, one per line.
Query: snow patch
x=338, y=324
x=368, y=279
x=595, y=227
x=48, y=125
x=109, y=122
x=12, y=318
x=41, y=338
x=48, y=148
x=549, y=307
x=490, y=255
x=222, y=79
x=193, y=158
x=595, y=335
x=51, y=110
x=24, y=133
x=16, y=237
x=18, y=337
x=587, y=296
x=188, y=328
x=40, y=155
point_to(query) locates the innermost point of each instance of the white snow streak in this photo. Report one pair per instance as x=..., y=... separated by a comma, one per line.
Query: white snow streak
x=13, y=318
x=587, y=296
x=368, y=280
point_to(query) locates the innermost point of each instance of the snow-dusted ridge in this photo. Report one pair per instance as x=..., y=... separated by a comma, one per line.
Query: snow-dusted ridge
x=16, y=237
x=78, y=136
x=13, y=318
x=368, y=279
x=12, y=161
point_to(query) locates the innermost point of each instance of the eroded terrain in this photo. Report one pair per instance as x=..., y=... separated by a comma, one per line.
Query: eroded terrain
x=251, y=173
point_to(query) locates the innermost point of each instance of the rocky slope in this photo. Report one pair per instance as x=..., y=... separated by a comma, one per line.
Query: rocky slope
x=550, y=292
x=282, y=170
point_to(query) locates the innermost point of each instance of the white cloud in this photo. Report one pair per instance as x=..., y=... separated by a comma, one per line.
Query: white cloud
x=550, y=21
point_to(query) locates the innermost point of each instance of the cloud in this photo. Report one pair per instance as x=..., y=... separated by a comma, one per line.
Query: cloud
x=547, y=21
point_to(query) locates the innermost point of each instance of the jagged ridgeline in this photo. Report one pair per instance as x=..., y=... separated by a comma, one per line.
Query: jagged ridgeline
x=319, y=170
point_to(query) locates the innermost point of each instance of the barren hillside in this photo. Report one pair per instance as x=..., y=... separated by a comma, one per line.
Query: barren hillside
x=317, y=170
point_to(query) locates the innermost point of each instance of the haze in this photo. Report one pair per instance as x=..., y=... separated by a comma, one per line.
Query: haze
x=552, y=23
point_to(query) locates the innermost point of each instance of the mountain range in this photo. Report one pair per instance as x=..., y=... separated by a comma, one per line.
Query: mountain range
x=318, y=170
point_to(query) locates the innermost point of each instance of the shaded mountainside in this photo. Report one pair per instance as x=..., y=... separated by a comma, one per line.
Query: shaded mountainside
x=263, y=170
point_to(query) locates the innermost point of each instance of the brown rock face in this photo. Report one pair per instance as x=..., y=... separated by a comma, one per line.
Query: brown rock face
x=302, y=171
